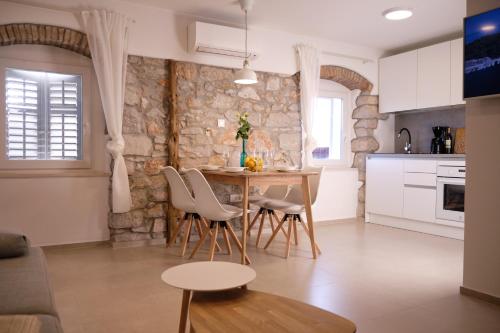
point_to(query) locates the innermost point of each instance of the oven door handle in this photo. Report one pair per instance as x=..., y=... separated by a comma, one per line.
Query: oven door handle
x=453, y=181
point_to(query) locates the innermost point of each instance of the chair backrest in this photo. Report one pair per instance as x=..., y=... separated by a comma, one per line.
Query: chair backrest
x=295, y=193
x=207, y=204
x=180, y=196
x=276, y=192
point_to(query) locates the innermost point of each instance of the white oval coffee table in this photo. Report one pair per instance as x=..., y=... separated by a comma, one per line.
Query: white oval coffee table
x=205, y=276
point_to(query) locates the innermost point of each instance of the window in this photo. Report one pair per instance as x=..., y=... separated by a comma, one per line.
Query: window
x=43, y=113
x=329, y=129
x=44, y=119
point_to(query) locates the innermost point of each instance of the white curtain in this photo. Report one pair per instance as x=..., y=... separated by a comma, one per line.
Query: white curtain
x=309, y=86
x=107, y=34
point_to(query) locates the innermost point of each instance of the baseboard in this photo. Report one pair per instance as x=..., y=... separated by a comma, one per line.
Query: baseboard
x=418, y=226
x=139, y=243
x=479, y=295
x=77, y=245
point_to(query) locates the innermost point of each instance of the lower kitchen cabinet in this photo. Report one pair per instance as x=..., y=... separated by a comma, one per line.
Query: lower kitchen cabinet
x=401, y=192
x=419, y=203
x=384, y=186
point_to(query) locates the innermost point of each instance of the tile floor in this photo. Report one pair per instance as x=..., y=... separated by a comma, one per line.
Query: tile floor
x=384, y=279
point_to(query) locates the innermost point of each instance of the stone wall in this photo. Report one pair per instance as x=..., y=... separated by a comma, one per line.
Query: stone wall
x=367, y=117
x=145, y=126
x=206, y=94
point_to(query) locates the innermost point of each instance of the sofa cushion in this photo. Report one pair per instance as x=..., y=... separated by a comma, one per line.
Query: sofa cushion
x=13, y=245
x=24, y=285
x=29, y=324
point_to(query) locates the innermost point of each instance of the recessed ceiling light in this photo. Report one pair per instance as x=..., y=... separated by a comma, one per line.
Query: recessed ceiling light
x=398, y=13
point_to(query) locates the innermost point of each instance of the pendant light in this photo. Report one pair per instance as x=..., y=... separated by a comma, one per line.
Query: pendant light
x=245, y=75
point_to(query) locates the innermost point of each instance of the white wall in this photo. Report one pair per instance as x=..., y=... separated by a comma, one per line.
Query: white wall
x=338, y=198
x=56, y=210
x=53, y=210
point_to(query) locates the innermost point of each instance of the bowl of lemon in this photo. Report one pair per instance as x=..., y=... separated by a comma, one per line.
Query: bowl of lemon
x=254, y=164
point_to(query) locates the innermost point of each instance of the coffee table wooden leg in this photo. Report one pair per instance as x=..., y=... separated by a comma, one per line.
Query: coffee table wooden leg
x=186, y=296
x=307, y=203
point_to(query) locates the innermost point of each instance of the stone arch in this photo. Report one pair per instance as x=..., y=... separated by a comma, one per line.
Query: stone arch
x=366, y=115
x=41, y=34
x=346, y=77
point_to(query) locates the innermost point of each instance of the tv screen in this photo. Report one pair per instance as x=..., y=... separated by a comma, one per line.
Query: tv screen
x=482, y=54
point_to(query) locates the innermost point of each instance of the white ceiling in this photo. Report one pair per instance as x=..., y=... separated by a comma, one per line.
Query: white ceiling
x=354, y=21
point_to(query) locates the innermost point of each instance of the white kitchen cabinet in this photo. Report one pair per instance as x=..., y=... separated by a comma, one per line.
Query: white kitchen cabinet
x=433, y=79
x=420, y=166
x=419, y=203
x=457, y=78
x=384, y=186
x=398, y=82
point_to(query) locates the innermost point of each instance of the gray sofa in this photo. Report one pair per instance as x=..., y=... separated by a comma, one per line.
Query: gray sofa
x=25, y=290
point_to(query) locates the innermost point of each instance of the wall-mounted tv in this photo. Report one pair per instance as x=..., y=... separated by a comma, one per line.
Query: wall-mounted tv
x=482, y=55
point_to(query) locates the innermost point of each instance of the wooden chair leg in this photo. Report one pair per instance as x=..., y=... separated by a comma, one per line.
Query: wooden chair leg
x=295, y=231
x=261, y=225
x=289, y=238
x=204, y=222
x=307, y=233
x=200, y=242
x=278, y=222
x=176, y=230
x=198, y=226
x=237, y=241
x=212, y=243
x=280, y=225
x=187, y=234
x=226, y=240
x=271, y=222
x=250, y=226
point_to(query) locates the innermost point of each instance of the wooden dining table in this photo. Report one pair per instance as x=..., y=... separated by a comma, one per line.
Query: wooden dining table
x=246, y=179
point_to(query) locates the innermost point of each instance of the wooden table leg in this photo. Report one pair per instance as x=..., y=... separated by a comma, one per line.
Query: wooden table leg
x=186, y=296
x=245, y=221
x=307, y=203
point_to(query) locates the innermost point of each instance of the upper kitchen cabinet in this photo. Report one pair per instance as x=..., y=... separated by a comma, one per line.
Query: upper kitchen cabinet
x=425, y=78
x=433, y=79
x=398, y=82
x=457, y=78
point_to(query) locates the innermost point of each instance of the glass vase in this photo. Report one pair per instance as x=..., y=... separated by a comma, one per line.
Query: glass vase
x=243, y=155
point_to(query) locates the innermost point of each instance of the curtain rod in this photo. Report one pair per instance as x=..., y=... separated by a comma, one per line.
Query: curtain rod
x=363, y=60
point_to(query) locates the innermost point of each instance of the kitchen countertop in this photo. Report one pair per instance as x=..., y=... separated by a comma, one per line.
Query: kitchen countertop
x=423, y=156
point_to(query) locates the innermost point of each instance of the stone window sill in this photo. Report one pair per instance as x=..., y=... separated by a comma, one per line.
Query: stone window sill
x=52, y=173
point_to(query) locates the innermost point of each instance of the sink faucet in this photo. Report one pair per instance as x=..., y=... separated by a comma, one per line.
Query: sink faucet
x=407, y=143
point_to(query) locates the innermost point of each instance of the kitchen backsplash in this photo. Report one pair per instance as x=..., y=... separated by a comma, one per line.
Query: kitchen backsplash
x=420, y=124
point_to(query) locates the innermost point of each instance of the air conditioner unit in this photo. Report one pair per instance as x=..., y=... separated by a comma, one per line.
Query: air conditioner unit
x=217, y=39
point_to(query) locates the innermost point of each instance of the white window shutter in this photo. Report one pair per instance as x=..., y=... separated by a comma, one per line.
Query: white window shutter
x=64, y=120
x=23, y=115
x=44, y=115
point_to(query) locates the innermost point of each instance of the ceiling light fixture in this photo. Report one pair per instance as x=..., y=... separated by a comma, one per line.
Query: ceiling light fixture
x=397, y=13
x=246, y=75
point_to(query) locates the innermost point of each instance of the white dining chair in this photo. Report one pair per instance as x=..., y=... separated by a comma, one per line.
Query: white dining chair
x=293, y=207
x=276, y=192
x=181, y=199
x=209, y=207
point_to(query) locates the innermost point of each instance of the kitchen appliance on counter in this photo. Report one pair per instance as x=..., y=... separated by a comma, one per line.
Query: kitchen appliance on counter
x=438, y=141
x=450, y=194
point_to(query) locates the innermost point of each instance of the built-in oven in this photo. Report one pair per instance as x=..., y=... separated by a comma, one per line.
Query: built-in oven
x=450, y=197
